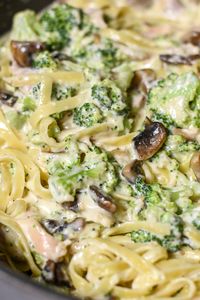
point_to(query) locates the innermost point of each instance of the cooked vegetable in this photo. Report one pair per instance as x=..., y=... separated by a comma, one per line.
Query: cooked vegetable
x=83, y=169
x=16, y=119
x=7, y=98
x=28, y=104
x=103, y=200
x=132, y=170
x=108, y=96
x=195, y=164
x=177, y=98
x=87, y=115
x=149, y=141
x=171, y=242
x=25, y=26
x=193, y=37
x=44, y=60
x=65, y=228
x=23, y=52
x=55, y=273
x=142, y=80
x=59, y=23
x=61, y=91
x=174, y=59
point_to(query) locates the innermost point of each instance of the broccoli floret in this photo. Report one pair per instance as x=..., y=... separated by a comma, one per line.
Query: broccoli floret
x=111, y=178
x=24, y=26
x=108, y=54
x=176, y=100
x=79, y=168
x=109, y=96
x=87, y=115
x=165, y=119
x=60, y=91
x=54, y=130
x=44, y=60
x=35, y=91
x=59, y=22
x=16, y=119
x=104, y=55
x=28, y=104
x=177, y=145
x=171, y=242
x=142, y=236
x=154, y=195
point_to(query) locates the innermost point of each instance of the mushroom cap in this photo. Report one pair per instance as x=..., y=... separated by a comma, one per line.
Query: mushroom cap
x=23, y=51
x=149, y=141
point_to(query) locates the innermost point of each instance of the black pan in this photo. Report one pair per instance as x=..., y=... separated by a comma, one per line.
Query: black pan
x=14, y=285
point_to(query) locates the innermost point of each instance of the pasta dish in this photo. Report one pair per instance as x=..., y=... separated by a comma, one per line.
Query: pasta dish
x=100, y=148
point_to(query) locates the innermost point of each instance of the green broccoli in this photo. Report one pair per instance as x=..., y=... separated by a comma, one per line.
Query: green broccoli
x=28, y=104
x=54, y=130
x=24, y=26
x=143, y=236
x=171, y=242
x=80, y=167
x=87, y=115
x=16, y=119
x=177, y=143
x=174, y=240
x=176, y=100
x=108, y=54
x=58, y=23
x=165, y=119
x=155, y=195
x=44, y=60
x=109, y=96
x=61, y=91
x=35, y=91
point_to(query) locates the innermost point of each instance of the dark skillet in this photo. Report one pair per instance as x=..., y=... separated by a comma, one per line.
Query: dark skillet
x=14, y=285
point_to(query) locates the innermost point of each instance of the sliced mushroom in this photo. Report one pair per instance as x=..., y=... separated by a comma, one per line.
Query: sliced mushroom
x=51, y=226
x=149, y=141
x=132, y=170
x=195, y=165
x=65, y=228
x=193, y=38
x=174, y=59
x=142, y=80
x=56, y=273
x=142, y=4
x=72, y=205
x=102, y=199
x=23, y=52
x=193, y=57
x=7, y=98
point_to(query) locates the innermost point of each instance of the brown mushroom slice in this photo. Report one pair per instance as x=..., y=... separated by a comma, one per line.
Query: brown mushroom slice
x=149, y=141
x=193, y=38
x=51, y=226
x=142, y=79
x=132, y=170
x=55, y=273
x=102, y=199
x=23, y=52
x=7, y=98
x=195, y=164
x=65, y=228
x=175, y=59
